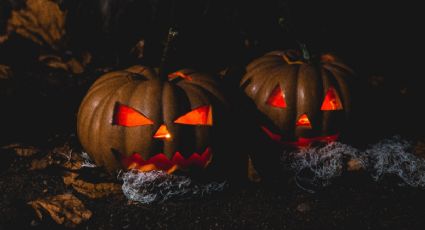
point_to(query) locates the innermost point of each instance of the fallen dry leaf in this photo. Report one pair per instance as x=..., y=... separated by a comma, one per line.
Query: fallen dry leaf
x=139, y=49
x=419, y=148
x=354, y=165
x=64, y=209
x=53, y=61
x=38, y=164
x=91, y=190
x=3, y=38
x=5, y=72
x=72, y=65
x=63, y=156
x=22, y=150
x=75, y=66
x=41, y=21
x=253, y=175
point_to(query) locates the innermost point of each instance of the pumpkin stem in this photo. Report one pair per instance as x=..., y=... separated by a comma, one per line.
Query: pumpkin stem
x=305, y=51
x=163, y=69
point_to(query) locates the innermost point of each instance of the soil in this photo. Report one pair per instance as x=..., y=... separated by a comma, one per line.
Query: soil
x=352, y=201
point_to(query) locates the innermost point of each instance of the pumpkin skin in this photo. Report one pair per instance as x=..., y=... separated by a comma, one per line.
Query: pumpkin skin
x=314, y=100
x=160, y=139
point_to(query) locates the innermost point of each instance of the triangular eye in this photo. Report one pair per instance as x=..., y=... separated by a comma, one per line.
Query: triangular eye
x=331, y=101
x=199, y=116
x=126, y=116
x=277, y=98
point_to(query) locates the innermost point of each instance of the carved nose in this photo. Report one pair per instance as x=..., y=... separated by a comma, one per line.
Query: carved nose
x=162, y=133
x=304, y=121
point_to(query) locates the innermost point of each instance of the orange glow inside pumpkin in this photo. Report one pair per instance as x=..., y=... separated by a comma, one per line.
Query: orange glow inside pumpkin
x=302, y=141
x=331, y=101
x=273, y=136
x=126, y=116
x=303, y=121
x=162, y=162
x=175, y=75
x=162, y=133
x=199, y=116
x=277, y=98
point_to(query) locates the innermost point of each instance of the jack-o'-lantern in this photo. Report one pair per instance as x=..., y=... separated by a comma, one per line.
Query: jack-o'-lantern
x=303, y=101
x=136, y=119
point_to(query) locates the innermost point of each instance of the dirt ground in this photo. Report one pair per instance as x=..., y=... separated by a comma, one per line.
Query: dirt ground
x=352, y=201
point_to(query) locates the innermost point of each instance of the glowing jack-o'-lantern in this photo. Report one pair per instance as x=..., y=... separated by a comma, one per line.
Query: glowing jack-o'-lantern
x=135, y=119
x=302, y=101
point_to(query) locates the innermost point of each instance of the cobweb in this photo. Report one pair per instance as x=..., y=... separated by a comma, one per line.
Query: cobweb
x=318, y=166
x=393, y=156
x=158, y=186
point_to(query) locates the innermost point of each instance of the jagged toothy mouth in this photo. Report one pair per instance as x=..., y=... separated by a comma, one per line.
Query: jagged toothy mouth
x=302, y=141
x=162, y=162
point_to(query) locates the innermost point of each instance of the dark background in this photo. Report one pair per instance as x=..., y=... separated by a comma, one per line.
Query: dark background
x=379, y=39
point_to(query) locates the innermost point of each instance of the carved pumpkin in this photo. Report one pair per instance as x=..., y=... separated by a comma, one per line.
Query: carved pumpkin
x=135, y=119
x=301, y=101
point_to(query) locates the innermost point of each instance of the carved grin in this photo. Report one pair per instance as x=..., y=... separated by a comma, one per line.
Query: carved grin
x=162, y=162
x=302, y=141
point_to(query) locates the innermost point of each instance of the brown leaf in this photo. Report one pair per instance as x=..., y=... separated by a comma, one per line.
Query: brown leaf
x=21, y=150
x=53, y=62
x=139, y=49
x=64, y=209
x=38, y=164
x=5, y=72
x=69, y=178
x=75, y=66
x=253, y=175
x=41, y=21
x=63, y=156
x=73, y=165
x=354, y=165
x=86, y=58
x=419, y=148
x=72, y=65
x=91, y=190
x=3, y=38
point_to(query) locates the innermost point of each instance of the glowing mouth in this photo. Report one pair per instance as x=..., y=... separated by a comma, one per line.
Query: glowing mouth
x=161, y=161
x=302, y=141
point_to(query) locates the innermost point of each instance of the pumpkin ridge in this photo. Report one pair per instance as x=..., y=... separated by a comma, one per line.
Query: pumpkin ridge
x=343, y=89
x=258, y=82
x=327, y=77
x=128, y=88
x=109, y=102
x=93, y=92
x=87, y=119
x=275, y=63
x=264, y=60
x=117, y=75
x=199, y=97
x=142, y=97
x=211, y=89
